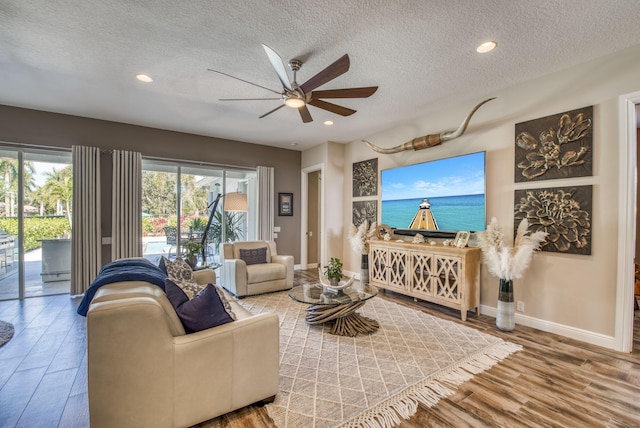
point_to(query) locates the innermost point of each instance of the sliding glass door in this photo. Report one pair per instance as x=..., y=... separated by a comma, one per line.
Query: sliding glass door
x=177, y=205
x=35, y=222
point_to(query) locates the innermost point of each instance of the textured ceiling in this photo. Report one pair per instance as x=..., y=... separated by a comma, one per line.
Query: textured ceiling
x=80, y=57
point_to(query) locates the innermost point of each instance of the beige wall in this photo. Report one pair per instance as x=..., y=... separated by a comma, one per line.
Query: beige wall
x=50, y=129
x=577, y=292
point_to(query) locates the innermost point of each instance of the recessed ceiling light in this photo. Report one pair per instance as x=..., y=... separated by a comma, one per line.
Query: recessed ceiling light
x=486, y=47
x=293, y=144
x=144, y=78
x=328, y=122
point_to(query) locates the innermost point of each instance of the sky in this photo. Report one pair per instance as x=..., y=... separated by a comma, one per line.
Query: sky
x=460, y=175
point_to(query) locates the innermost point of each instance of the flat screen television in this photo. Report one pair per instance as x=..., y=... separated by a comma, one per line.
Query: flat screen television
x=435, y=198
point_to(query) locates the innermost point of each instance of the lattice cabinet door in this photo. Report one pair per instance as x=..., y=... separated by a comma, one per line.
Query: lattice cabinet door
x=378, y=265
x=398, y=268
x=447, y=278
x=421, y=273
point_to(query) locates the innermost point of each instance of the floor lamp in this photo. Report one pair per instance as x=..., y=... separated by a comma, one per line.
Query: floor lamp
x=235, y=201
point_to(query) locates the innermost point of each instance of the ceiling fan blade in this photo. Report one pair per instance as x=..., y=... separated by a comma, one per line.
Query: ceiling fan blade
x=305, y=115
x=248, y=99
x=278, y=65
x=245, y=81
x=333, y=108
x=336, y=69
x=345, y=93
x=271, y=111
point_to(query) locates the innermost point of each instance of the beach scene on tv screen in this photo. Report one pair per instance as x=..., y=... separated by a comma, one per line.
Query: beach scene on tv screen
x=452, y=189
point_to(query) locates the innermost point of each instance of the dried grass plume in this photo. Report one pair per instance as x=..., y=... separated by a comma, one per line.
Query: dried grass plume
x=504, y=261
x=358, y=236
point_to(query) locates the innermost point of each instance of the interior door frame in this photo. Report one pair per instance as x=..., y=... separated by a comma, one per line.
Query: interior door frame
x=627, y=188
x=304, y=223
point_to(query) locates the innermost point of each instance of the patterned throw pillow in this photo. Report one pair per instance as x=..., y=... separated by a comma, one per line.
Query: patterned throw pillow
x=208, y=308
x=254, y=255
x=181, y=274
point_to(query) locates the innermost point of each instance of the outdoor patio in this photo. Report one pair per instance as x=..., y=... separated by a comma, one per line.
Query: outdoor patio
x=154, y=247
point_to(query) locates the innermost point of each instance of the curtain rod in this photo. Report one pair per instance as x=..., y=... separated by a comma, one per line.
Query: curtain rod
x=198, y=163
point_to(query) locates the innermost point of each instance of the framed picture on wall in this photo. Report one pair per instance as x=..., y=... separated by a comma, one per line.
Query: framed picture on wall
x=285, y=203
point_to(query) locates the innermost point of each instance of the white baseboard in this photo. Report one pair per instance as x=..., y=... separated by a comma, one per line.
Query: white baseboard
x=560, y=329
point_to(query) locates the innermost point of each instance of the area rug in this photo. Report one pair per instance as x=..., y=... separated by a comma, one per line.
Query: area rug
x=371, y=380
x=6, y=332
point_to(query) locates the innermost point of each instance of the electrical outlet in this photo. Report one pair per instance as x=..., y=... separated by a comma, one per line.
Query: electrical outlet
x=520, y=306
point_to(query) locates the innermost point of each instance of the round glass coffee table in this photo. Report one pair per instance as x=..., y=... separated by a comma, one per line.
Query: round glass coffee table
x=337, y=308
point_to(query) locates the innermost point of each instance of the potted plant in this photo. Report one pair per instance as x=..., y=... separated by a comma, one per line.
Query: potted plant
x=192, y=248
x=333, y=271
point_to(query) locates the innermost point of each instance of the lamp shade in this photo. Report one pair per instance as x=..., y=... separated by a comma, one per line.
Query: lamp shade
x=235, y=201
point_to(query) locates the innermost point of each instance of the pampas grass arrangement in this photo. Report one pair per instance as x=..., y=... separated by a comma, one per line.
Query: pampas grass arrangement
x=504, y=261
x=358, y=236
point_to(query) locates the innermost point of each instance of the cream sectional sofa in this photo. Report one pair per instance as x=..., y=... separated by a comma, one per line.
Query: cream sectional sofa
x=144, y=371
x=245, y=279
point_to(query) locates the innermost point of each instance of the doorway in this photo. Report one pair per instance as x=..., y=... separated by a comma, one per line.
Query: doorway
x=627, y=192
x=312, y=221
x=36, y=189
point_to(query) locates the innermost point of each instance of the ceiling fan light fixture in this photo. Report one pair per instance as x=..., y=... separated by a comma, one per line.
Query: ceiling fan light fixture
x=294, y=102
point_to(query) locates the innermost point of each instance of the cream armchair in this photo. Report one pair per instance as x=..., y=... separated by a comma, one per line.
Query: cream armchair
x=244, y=277
x=144, y=371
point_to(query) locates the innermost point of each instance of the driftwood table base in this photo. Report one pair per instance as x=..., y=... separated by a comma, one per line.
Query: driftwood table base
x=344, y=319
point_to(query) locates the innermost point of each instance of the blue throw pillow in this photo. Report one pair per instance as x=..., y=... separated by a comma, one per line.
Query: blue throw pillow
x=162, y=265
x=254, y=255
x=207, y=309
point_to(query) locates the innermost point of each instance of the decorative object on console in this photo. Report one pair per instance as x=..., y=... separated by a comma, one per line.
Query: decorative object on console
x=285, y=204
x=563, y=212
x=365, y=178
x=508, y=262
x=418, y=239
x=364, y=210
x=383, y=231
x=461, y=239
x=430, y=140
x=359, y=237
x=556, y=146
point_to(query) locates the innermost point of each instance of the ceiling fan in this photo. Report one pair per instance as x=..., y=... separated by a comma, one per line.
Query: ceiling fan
x=300, y=96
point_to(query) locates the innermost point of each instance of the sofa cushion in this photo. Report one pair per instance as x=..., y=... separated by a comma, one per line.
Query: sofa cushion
x=265, y=272
x=247, y=245
x=208, y=308
x=181, y=274
x=254, y=255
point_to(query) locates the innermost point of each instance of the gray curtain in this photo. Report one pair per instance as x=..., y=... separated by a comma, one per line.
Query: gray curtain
x=126, y=205
x=266, y=203
x=86, y=245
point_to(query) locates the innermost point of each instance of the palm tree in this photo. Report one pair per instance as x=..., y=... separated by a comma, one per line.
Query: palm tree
x=9, y=171
x=59, y=188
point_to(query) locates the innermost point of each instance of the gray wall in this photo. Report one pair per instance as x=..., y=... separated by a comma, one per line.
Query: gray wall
x=40, y=128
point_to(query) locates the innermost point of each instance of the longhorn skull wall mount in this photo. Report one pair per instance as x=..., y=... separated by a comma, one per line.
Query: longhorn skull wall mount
x=430, y=140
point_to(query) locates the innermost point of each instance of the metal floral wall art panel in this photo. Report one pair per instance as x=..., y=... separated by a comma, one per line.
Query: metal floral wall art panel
x=565, y=213
x=365, y=210
x=557, y=146
x=365, y=178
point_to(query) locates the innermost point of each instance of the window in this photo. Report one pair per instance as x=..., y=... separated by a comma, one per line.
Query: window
x=177, y=201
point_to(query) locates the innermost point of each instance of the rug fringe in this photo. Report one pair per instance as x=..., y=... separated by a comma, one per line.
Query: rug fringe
x=429, y=391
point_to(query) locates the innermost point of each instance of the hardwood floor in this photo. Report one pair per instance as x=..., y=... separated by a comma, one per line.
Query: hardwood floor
x=552, y=382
